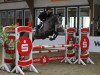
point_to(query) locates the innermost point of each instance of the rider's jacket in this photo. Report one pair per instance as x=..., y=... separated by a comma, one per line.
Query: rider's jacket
x=43, y=16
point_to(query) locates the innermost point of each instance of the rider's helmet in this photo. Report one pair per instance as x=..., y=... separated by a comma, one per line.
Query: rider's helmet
x=49, y=10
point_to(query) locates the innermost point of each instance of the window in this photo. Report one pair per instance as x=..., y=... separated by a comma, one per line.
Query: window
x=19, y=16
x=13, y=0
x=72, y=17
x=10, y=17
x=3, y=15
x=61, y=11
x=27, y=17
x=84, y=17
x=1, y=1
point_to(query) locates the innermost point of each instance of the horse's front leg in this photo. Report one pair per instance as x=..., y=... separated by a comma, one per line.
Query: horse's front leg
x=53, y=37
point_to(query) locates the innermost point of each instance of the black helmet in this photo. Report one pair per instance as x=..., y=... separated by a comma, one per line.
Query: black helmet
x=48, y=8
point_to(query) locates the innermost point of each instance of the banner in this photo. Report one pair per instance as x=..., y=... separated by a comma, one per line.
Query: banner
x=94, y=44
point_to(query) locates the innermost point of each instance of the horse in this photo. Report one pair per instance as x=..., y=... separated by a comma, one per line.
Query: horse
x=50, y=27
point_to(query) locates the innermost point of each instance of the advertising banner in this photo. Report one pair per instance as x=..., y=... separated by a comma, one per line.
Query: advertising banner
x=94, y=44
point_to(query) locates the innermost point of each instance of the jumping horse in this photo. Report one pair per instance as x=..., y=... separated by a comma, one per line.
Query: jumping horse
x=49, y=29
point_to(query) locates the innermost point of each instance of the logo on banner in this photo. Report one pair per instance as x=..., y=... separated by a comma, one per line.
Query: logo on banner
x=84, y=43
x=24, y=46
x=44, y=59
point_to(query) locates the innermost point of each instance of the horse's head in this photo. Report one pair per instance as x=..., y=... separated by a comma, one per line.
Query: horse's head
x=57, y=20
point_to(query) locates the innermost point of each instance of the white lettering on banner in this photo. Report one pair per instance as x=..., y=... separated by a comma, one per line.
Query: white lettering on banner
x=55, y=58
x=84, y=44
x=44, y=60
x=24, y=47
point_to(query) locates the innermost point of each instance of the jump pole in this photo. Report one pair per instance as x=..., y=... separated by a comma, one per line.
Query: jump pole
x=58, y=48
x=49, y=49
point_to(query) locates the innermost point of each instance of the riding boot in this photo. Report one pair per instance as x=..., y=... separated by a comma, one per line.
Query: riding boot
x=37, y=29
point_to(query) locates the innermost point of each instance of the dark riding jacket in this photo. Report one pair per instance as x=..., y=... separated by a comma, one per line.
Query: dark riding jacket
x=44, y=16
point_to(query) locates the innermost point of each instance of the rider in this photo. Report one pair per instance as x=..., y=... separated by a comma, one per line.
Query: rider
x=44, y=16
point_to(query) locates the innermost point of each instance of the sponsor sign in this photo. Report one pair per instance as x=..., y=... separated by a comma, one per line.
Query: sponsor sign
x=24, y=46
x=94, y=44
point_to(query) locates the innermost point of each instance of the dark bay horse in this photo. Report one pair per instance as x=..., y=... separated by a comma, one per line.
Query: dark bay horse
x=50, y=27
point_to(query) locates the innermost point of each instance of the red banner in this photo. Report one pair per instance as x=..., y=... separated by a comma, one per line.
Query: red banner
x=46, y=59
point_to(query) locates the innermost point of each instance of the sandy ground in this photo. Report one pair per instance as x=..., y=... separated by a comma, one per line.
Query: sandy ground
x=59, y=68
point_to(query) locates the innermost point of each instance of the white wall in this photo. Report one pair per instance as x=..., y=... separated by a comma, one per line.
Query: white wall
x=97, y=2
x=1, y=0
x=41, y=3
x=44, y=3
x=58, y=40
x=13, y=5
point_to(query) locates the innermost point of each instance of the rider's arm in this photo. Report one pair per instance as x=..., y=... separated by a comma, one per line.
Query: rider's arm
x=42, y=16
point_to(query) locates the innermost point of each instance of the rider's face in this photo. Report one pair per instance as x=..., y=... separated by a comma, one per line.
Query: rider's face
x=49, y=11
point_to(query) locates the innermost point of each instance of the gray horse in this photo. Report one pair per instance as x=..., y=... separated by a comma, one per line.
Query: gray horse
x=50, y=27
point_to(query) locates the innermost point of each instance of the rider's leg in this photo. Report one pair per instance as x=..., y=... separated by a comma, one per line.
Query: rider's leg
x=38, y=27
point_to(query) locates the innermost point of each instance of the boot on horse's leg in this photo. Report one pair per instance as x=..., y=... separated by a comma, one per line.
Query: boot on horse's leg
x=53, y=37
x=37, y=28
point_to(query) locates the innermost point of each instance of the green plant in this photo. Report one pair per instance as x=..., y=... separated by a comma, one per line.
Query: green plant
x=4, y=39
x=3, y=36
